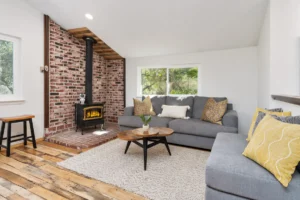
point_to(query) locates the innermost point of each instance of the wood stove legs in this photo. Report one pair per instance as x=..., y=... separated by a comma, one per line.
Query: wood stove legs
x=102, y=127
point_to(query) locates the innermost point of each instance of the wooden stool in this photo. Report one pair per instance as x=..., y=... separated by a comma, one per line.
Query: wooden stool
x=10, y=120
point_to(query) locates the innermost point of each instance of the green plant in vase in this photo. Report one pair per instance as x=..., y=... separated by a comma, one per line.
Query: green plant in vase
x=146, y=120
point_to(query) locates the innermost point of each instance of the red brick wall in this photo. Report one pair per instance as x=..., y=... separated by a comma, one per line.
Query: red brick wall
x=67, y=80
x=115, y=89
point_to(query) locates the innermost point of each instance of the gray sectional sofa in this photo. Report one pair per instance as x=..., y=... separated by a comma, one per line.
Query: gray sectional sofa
x=232, y=176
x=188, y=132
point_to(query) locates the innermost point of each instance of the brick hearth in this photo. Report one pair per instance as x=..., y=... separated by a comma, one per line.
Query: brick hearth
x=89, y=139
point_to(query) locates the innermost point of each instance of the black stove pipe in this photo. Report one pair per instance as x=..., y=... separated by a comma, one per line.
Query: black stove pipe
x=89, y=69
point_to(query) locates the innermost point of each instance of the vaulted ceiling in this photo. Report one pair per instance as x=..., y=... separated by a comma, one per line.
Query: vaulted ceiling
x=138, y=28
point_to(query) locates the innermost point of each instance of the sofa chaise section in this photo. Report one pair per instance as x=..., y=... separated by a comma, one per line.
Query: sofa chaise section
x=231, y=173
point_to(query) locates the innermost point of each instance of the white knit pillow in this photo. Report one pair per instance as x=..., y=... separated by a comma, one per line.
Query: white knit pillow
x=174, y=111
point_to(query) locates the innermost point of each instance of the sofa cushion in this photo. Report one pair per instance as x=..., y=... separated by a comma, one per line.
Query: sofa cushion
x=227, y=170
x=136, y=122
x=157, y=103
x=181, y=101
x=199, y=103
x=198, y=127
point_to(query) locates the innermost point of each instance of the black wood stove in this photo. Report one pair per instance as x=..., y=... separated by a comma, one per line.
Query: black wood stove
x=89, y=114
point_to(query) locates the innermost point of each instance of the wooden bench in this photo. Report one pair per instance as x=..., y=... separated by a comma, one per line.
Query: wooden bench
x=16, y=119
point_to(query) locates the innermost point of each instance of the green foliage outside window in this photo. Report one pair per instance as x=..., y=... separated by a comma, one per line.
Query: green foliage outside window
x=154, y=81
x=182, y=81
x=6, y=67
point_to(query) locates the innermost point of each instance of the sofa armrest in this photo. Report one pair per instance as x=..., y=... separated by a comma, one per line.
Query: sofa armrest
x=128, y=111
x=230, y=119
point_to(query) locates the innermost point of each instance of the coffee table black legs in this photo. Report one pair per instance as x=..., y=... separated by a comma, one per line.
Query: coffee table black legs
x=146, y=146
x=167, y=145
x=127, y=146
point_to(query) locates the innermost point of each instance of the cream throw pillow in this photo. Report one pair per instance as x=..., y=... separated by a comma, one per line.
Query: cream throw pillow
x=178, y=112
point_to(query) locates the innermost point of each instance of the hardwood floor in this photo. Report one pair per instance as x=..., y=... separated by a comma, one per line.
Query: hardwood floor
x=33, y=174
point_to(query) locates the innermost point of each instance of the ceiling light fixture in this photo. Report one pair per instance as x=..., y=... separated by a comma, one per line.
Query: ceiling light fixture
x=89, y=16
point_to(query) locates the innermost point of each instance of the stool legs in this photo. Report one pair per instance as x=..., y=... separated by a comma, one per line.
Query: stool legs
x=2, y=133
x=32, y=133
x=25, y=132
x=8, y=139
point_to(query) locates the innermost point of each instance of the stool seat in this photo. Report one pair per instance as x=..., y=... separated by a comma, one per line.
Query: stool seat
x=16, y=118
x=10, y=121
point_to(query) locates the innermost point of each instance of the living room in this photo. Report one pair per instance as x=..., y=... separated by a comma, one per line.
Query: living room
x=149, y=100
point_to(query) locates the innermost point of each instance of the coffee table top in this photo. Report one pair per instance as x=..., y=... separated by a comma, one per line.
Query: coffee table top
x=138, y=133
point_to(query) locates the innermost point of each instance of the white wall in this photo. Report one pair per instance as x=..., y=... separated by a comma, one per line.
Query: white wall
x=282, y=53
x=229, y=73
x=19, y=19
x=263, y=50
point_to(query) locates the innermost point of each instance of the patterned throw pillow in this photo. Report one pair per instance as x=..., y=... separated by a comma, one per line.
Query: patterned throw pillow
x=250, y=132
x=276, y=147
x=214, y=111
x=288, y=119
x=143, y=107
x=261, y=115
x=275, y=109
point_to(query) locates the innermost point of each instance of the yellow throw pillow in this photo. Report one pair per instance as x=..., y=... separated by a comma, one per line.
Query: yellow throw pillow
x=214, y=111
x=276, y=146
x=143, y=107
x=280, y=114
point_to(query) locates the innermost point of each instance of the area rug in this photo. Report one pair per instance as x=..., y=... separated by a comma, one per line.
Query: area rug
x=180, y=176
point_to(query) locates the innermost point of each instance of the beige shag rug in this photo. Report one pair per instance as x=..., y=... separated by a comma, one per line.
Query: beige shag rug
x=180, y=176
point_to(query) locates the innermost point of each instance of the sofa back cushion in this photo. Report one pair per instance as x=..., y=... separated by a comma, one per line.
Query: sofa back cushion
x=157, y=103
x=181, y=101
x=199, y=103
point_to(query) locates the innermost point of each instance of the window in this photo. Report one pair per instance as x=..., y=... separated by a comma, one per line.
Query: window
x=172, y=80
x=9, y=68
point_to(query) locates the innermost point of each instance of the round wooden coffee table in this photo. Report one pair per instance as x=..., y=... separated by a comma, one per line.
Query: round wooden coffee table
x=155, y=135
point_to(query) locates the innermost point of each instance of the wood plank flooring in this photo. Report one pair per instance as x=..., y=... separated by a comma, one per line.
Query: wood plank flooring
x=33, y=174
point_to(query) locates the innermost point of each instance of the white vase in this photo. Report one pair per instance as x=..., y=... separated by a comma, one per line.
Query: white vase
x=145, y=127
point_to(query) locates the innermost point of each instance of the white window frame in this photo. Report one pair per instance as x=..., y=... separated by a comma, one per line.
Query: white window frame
x=139, y=78
x=17, y=78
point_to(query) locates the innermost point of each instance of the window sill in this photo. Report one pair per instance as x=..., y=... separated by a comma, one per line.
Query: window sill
x=16, y=101
x=288, y=99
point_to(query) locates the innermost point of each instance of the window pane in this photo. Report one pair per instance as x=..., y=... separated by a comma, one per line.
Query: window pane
x=154, y=81
x=183, y=80
x=6, y=67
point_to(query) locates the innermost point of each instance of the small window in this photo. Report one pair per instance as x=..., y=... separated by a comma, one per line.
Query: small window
x=9, y=68
x=179, y=80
